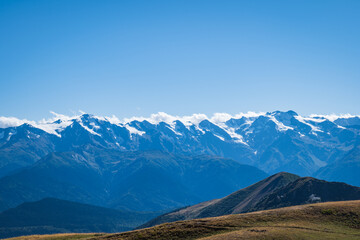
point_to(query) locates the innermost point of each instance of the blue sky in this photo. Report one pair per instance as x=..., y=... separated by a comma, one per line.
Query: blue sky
x=181, y=57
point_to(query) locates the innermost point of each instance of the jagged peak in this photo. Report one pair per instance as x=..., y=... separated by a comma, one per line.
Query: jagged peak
x=58, y=122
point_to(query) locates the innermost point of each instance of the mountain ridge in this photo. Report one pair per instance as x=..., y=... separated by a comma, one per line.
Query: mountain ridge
x=279, y=190
x=274, y=141
x=307, y=190
x=144, y=180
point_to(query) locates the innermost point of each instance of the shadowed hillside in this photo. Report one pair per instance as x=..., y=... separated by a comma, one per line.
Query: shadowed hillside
x=237, y=202
x=280, y=190
x=308, y=190
x=52, y=215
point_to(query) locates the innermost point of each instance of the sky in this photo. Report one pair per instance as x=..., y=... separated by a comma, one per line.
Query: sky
x=135, y=58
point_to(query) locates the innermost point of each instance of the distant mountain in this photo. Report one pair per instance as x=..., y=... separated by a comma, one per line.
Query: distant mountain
x=280, y=190
x=139, y=181
x=346, y=169
x=273, y=141
x=22, y=146
x=308, y=190
x=52, y=215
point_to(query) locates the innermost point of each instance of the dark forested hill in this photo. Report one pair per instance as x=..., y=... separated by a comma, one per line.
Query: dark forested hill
x=52, y=215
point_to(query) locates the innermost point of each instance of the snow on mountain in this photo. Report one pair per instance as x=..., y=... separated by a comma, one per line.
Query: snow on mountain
x=157, y=118
x=133, y=130
x=272, y=141
x=307, y=121
x=59, y=122
x=280, y=126
x=53, y=125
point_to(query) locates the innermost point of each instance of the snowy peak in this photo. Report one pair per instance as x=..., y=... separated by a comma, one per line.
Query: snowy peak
x=225, y=126
x=273, y=141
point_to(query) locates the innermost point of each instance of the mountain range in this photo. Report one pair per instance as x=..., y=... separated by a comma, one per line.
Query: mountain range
x=274, y=141
x=164, y=162
x=137, y=181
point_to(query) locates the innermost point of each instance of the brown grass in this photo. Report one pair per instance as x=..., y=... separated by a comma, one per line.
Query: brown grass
x=60, y=236
x=332, y=220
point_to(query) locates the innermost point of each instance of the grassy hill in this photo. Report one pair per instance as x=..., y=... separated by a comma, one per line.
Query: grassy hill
x=331, y=220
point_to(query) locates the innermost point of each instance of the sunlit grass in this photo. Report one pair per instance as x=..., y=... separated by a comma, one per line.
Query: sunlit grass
x=60, y=236
x=334, y=220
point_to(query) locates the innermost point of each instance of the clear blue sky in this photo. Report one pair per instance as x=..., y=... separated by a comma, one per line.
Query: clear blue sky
x=181, y=57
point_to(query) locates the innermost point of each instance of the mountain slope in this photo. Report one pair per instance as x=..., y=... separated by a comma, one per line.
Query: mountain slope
x=279, y=190
x=346, y=169
x=60, y=175
x=237, y=202
x=139, y=181
x=22, y=146
x=307, y=190
x=55, y=216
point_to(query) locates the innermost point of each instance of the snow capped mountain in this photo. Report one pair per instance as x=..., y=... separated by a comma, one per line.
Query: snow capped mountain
x=273, y=141
x=225, y=121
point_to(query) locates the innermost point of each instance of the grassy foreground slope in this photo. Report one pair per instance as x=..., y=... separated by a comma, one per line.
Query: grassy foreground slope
x=331, y=220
